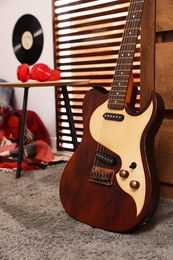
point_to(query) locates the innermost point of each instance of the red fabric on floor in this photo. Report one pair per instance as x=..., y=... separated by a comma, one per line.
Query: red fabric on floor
x=35, y=150
x=43, y=153
x=36, y=126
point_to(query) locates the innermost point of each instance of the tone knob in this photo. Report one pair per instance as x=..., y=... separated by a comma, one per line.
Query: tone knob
x=134, y=185
x=124, y=174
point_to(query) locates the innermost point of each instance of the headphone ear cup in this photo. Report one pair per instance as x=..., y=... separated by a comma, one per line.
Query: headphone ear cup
x=55, y=75
x=40, y=72
x=23, y=73
x=33, y=69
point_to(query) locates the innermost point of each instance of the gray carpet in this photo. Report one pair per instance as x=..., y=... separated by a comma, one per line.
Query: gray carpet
x=34, y=226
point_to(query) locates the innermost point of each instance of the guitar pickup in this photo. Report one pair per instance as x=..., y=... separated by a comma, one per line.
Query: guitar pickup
x=105, y=158
x=113, y=116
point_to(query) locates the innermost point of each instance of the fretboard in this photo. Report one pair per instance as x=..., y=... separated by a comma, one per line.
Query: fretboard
x=125, y=58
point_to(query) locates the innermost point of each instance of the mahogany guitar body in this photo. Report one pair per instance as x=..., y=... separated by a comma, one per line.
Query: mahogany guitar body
x=128, y=196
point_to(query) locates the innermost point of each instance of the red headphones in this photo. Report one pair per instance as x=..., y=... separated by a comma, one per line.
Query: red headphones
x=39, y=71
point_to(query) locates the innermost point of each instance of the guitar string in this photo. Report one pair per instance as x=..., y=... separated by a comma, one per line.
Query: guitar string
x=127, y=38
x=121, y=81
x=101, y=148
x=131, y=24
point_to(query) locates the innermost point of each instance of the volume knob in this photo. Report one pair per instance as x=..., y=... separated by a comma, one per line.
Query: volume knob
x=124, y=174
x=134, y=185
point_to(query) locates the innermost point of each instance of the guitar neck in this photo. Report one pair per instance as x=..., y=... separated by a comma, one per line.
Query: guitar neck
x=125, y=58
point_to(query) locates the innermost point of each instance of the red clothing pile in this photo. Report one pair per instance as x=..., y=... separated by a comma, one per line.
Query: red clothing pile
x=36, y=145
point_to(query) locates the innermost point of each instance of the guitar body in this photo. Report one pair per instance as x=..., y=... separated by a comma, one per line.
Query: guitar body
x=131, y=197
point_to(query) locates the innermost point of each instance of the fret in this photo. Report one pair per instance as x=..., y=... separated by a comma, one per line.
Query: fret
x=115, y=95
x=117, y=106
x=129, y=40
x=136, y=2
x=135, y=16
x=131, y=31
x=130, y=37
x=123, y=70
x=120, y=82
x=119, y=71
x=130, y=47
x=133, y=20
x=135, y=12
x=122, y=53
x=120, y=92
x=122, y=88
x=127, y=44
x=124, y=66
x=122, y=75
x=125, y=60
x=119, y=79
x=125, y=56
x=140, y=3
x=117, y=102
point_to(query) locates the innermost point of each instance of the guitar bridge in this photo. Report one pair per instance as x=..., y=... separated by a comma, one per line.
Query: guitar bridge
x=102, y=175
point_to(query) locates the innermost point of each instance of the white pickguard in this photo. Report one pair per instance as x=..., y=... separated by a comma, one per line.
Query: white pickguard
x=124, y=138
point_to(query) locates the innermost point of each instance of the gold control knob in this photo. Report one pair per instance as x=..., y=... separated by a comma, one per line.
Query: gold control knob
x=134, y=185
x=124, y=174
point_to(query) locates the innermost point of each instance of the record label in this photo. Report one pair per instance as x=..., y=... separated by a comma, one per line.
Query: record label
x=27, y=39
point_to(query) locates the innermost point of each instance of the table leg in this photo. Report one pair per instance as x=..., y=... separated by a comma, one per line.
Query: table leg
x=70, y=117
x=22, y=132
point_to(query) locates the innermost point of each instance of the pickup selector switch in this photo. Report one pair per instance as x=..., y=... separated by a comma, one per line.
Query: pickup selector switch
x=133, y=165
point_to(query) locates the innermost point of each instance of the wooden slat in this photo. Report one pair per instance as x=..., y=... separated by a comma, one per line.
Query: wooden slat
x=78, y=2
x=166, y=191
x=164, y=75
x=147, y=51
x=101, y=8
x=164, y=151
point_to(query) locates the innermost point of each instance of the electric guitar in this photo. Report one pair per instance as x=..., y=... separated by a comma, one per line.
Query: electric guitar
x=111, y=182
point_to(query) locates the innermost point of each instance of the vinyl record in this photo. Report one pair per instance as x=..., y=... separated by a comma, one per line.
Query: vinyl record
x=27, y=39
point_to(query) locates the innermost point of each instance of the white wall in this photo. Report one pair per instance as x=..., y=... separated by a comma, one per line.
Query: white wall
x=40, y=100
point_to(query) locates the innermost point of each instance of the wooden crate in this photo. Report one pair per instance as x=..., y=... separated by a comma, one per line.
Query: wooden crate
x=157, y=74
